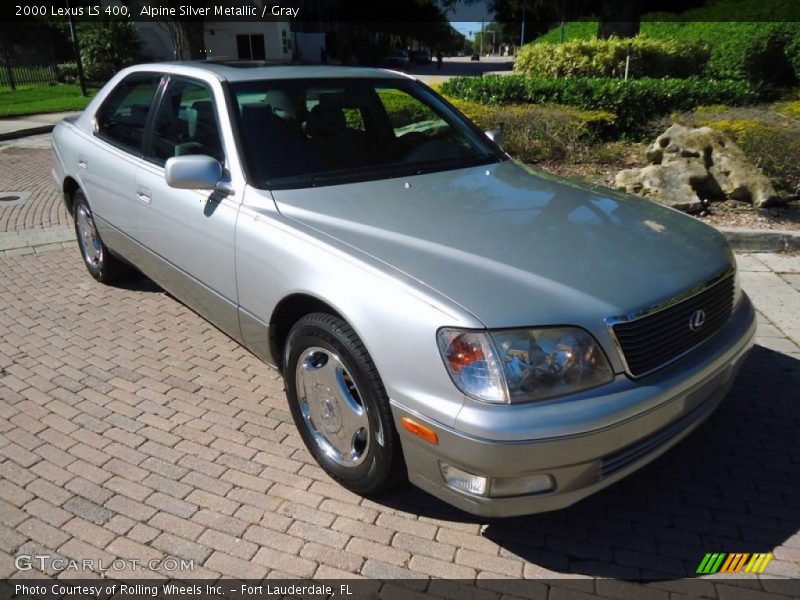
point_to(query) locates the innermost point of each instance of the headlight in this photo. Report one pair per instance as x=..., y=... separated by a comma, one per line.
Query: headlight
x=522, y=365
x=737, y=284
x=471, y=362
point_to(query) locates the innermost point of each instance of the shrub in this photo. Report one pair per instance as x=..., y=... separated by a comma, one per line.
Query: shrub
x=533, y=133
x=606, y=58
x=67, y=72
x=634, y=102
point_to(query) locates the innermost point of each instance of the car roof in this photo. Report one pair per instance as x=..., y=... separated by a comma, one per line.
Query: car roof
x=233, y=71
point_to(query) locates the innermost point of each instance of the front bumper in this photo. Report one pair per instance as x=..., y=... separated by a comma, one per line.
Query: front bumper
x=624, y=428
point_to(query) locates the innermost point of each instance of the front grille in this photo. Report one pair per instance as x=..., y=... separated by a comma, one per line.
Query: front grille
x=653, y=340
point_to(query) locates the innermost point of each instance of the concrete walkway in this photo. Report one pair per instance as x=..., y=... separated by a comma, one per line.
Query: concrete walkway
x=16, y=127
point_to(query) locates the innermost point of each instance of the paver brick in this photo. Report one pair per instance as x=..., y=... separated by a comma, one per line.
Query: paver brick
x=441, y=568
x=229, y=544
x=223, y=523
x=287, y=563
x=274, y=539
x=130, y=508
x=131, y=489
x=177, y=546
x=317, y=533
x=89, y=490
x=206, y=499
x=88, y=510
x=231, y=566
x=340, y=560
x=417, y=545
x=176, y=525
x=381, y=552
x=88, y=531
x=47, y=512
x=172, y=505
x=43, y=533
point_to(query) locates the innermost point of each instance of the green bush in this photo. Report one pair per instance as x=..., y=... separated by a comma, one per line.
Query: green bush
x=634, y=102
x=534, y=133
x=606, y=58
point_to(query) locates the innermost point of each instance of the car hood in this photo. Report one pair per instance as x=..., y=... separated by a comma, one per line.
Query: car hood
x=515, y=246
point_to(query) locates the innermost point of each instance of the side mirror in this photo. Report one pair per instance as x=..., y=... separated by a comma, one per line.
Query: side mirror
x=195, y=172
x=495, y=136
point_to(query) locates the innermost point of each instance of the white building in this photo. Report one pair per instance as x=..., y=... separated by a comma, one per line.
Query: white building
x=224, y=40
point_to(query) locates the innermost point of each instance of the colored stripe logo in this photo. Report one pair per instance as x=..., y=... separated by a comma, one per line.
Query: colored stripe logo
x=737, y=562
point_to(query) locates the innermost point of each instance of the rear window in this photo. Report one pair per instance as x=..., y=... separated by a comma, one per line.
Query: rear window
x=122, y=117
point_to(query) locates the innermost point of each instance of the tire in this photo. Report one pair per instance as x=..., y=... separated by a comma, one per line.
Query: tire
x=340, y=406
x=100, y=263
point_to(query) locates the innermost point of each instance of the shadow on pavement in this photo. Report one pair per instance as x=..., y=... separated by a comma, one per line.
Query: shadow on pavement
x=137, y=282
x=731, y=486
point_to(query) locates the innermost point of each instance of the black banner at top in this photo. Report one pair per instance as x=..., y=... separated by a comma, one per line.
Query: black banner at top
x=402, y=11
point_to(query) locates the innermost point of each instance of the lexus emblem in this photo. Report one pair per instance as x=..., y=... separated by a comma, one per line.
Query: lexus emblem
x=696, y=319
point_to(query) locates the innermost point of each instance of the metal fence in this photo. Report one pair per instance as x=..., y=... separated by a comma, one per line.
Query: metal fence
x=26, y=70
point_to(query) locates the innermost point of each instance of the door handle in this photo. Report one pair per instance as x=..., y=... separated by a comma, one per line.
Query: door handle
x=82, y=162
x=143, y=195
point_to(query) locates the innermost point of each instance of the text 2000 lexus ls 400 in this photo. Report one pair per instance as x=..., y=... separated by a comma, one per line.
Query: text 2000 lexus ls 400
x=509, y=341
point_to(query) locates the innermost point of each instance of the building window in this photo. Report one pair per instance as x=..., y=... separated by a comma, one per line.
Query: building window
x=250, y=46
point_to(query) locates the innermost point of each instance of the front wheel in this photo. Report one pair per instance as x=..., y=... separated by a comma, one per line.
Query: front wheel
x=340, y=406
x=100, y=263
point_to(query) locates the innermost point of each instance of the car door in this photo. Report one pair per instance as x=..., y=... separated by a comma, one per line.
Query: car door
x=187, y=236
x=108, y=166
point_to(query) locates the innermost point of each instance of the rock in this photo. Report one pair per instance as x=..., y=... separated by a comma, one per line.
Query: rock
x=668, y=185
x=691, y=165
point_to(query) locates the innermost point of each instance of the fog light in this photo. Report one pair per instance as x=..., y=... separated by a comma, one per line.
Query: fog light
x=520, y=486
x=463, y=481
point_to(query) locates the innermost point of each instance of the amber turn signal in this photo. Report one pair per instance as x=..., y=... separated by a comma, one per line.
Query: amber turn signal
x=426, y=433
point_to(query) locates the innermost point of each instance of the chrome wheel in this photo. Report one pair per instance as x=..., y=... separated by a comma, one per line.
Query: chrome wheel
x=332, y=407
x=89, y=240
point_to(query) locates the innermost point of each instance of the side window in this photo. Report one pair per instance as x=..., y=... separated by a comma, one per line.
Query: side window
x=122, y=117
x=186, y=123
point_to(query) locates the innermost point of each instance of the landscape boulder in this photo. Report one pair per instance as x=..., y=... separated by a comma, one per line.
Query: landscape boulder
x=689, y=167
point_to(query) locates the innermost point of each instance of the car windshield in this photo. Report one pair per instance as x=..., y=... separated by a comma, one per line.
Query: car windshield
x=303, y=133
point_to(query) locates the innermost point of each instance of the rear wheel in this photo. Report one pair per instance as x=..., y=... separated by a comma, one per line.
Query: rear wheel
x=100, y=263
x=339, y=405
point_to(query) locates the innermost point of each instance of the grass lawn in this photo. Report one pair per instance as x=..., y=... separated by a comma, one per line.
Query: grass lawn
x=35, y=99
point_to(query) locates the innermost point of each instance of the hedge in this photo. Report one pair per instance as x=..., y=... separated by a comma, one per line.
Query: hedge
x=755, y=41
x=634, y=102
x=607, y=58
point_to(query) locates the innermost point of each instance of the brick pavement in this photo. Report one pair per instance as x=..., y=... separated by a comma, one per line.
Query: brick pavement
x=130, y=428
x=28, y=169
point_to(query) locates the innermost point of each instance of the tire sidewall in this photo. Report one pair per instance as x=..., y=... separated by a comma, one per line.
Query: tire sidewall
x=372, y=471
x=97, y=271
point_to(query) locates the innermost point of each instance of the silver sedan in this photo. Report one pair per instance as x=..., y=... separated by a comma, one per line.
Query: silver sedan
x=508, y=341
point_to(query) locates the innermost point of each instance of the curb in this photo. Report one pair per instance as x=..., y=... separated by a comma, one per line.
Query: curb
x=762, y=240
x=21, y=133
